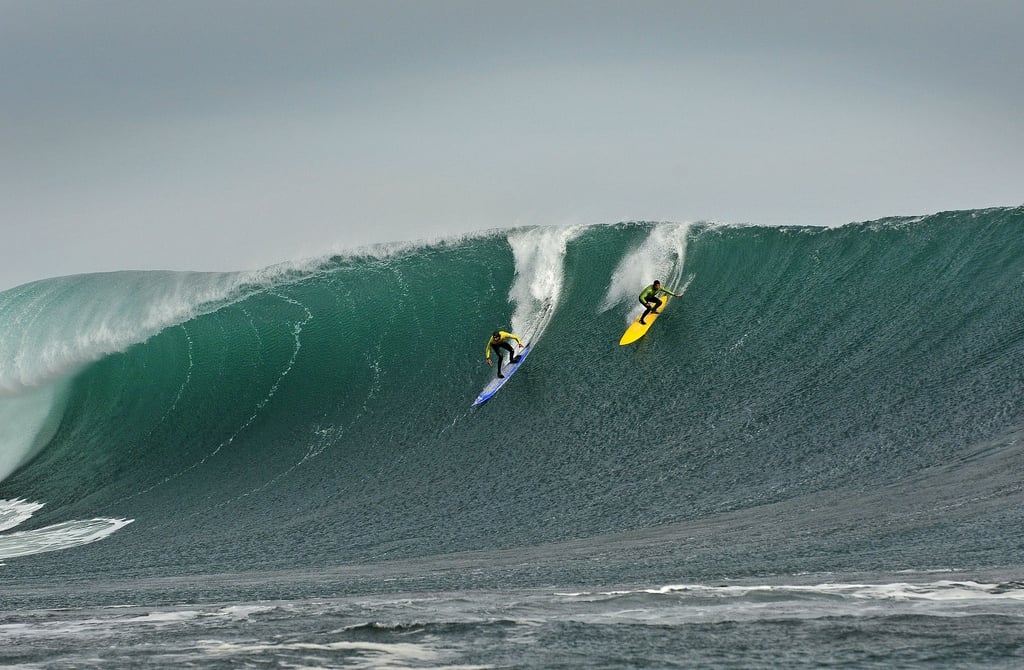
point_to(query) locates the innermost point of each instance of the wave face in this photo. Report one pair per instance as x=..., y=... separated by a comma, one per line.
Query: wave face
x=819, y=399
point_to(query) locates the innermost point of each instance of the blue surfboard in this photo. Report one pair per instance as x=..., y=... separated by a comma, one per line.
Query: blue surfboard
x=498, y=382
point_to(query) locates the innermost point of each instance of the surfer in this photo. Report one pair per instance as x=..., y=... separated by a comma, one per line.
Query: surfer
x=650, y=300
x=498, y=341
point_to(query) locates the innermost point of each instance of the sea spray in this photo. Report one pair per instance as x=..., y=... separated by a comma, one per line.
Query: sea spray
x=661, y=255
x=539, y=260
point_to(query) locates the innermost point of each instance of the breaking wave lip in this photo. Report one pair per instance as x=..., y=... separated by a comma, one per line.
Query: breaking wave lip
x=56, y=537
x=52, y=328
x=55, y=327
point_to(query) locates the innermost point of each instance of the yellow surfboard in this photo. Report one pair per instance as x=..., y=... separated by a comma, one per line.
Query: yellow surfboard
x=637, y=330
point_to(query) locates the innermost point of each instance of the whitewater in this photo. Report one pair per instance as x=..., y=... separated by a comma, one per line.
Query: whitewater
x=813, y=459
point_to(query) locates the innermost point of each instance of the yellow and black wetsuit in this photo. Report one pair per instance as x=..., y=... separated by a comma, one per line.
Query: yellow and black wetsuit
x=501, y=344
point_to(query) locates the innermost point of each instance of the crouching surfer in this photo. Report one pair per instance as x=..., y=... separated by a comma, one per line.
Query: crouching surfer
x=650, y=300
x=499, y=340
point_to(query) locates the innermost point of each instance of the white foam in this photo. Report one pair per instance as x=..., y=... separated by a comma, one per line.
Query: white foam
x=943, y=590
x=59, y=536
x=14, y=512
x=539, y=255
x=661, y=256
x=683, y=603
x=366, y=654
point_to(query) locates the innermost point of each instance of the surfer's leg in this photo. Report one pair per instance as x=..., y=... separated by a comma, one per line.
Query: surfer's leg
x=647, y=310
x=507, y=347
x=657, y=305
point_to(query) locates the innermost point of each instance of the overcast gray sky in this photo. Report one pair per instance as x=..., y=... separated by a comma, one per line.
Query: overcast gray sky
x=227, y=135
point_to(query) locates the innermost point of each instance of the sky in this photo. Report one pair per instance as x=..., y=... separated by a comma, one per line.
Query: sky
x=236, y=134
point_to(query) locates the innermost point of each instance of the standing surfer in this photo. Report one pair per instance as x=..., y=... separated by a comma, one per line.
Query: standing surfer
x=650, y=300
x=498, y=341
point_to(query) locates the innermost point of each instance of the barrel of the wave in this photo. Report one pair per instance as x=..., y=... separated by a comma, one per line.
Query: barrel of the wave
x=637, y=330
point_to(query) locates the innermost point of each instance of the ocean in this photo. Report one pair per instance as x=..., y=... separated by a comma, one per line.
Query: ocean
x=814, y=458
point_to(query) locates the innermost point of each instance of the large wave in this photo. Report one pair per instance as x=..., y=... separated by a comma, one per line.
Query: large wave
x=318, y=413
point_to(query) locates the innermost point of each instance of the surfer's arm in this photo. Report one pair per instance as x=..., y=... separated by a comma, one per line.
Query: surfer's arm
x=516, y=338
